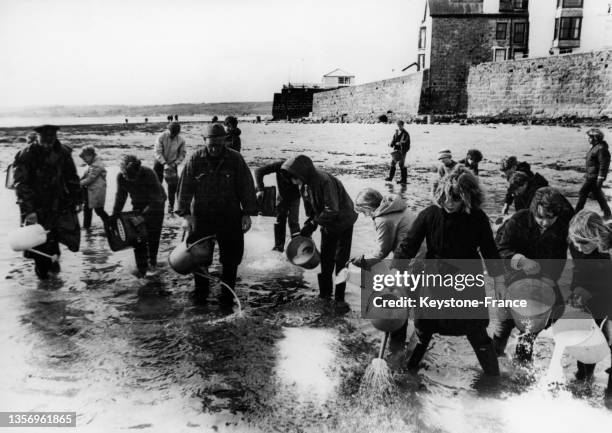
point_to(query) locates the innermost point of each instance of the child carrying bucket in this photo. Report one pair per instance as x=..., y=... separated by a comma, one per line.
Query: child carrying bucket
x=533, y=244
x=590, y=244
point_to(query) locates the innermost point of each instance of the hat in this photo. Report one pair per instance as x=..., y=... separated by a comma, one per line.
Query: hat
x=87, y=150
x=46, y=129
x=214, y=130
x=595, y=132
x=444, y=154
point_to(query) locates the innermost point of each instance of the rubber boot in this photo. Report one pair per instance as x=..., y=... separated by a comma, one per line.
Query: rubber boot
x=417, y=356
x=404, y=179
x=279, y=238
x=325, y=286
x=202, y=289
x=391, y=173
x=585, y=371
x=488, y=359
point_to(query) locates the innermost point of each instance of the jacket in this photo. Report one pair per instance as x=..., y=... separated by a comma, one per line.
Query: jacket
x=522, y=201
x=521, y=235
x=217, y=186
x=593, y=272
x=170, y=150
x=400, y=141
x=94, y=180
x=286, y=190
x=145, y=191
x=523, y=167
x=392, y=221
x=473, y=166
x=598, y=161
x=232, y=139
x=46, y=181
x=330, y=205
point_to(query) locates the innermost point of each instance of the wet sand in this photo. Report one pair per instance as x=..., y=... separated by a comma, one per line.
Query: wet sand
x=138, y=354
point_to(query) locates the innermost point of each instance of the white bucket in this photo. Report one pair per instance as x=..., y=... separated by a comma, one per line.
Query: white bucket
x=584, y=341
x=27, y=237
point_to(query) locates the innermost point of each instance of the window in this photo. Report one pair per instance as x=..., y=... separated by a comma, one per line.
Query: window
x=500, y=31
x=422, y=38
x=565, y=51
x=520, y=4
x=421, y=61
x=568, y=28
x=344, y=80
x=570, y=3
x=519, y=33
x=499, y=54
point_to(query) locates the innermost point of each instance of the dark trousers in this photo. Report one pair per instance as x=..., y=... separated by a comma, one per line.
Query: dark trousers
x=287, y=213
x=145, y=251
x=335, y=253
x=230, y=238
x=87, y=212
x=172, y=185
x=479, y=340
x=42, y=265
x=401, y=161
x=590, y=186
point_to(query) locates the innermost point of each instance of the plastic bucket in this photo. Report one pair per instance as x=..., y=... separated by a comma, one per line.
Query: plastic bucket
x=302, y=251
x=584, y=341
x=540, y=299
x=27, y=237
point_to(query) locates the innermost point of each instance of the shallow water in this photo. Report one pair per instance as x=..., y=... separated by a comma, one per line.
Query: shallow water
x=128, y=353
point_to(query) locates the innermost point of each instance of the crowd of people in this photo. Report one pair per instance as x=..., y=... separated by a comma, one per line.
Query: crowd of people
x=215, y=194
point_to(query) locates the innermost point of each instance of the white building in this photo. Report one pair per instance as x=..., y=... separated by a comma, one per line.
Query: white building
x=338, y=78
x=569, y=26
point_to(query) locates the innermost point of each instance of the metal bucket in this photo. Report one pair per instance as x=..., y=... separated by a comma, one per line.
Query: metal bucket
x=540, y=299
x=302, y=251
x=27, y=237
x=386, y=319
x=186, y=258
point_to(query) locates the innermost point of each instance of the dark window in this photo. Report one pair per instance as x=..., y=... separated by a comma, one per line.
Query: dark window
x=556, y=27
x=568, y=28
x=571, y=3
x=500, y=30
x=519, y=33
x=565, y=51
x=422, y=38
x=520, y=4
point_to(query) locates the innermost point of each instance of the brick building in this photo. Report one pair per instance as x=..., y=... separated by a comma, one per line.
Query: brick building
x=294, y=101
x=457, y=34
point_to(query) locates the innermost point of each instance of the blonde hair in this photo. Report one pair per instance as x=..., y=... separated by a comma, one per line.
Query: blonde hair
x=459, y=184
x=368, y=199
x=589, y=226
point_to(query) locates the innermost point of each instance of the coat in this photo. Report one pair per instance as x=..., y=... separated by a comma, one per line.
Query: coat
x=392, y=220
x=472, y=166
x=456, y=244
x=170, y=150
x=286, y=190
x=218, y=187
x=330, y=206
x=598, y=161
x=145, y=191
x=535, y=182
x=94, y=180
x=524, y=167
x=232, y=139
x=593, y=272
x=400, y=141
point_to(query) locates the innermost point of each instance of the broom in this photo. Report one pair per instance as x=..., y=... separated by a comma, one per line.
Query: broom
x=377, y=379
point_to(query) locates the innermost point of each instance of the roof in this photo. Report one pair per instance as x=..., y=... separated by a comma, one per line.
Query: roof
x=339, y=73
x=455, y=7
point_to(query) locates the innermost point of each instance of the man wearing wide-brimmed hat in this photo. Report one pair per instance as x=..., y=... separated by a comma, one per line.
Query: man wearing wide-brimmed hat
x=597, y=165
x=216, y=197
x=48, y=193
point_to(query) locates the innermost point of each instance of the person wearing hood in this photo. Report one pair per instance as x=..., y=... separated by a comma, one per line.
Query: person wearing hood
x=93, y=182
x=524, y=187
x=48, y=193
x=533, y=244
x=392, y=221
x=287, y=204
x=327, y=205
x=459, y=240
x=597, y=166
x=232, y=138
x=216, y=197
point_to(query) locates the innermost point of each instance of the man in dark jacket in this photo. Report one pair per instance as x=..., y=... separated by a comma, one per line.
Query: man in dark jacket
x=533, y=244
x=148, y=198
x=218, y=181
x=232, y=138
x=508, y=167
x=48, y=193
x=287, y=203
x=400, y=145
x=597, y=165
x=329, y=206
x=523, y=188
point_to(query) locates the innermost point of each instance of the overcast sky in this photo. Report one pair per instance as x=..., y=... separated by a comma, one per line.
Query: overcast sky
x=160, y=52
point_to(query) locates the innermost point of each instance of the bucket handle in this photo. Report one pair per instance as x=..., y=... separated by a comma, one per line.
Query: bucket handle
x=196, y=242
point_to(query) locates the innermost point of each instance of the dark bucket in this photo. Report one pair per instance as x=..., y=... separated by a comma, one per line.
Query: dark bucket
x=120, y=231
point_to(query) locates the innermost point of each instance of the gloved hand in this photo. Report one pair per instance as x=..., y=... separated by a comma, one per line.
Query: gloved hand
x=30, y=219
x=308, y=229
x=600, y=181
x=246, y=223
x=530, y=267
